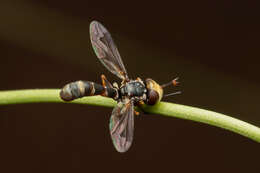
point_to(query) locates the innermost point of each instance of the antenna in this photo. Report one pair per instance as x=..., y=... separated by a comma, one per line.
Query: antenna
x=174, y=82
x=171, y=94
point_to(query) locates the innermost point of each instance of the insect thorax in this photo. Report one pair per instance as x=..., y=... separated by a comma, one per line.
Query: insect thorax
x=134, y=89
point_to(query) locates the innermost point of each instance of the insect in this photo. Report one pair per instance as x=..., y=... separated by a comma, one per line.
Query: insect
x=130, y=93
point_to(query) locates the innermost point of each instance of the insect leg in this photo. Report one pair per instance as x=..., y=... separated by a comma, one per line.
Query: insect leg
x=105, y=82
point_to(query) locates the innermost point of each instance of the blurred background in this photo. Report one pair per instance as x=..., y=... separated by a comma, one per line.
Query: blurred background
x=213, y=46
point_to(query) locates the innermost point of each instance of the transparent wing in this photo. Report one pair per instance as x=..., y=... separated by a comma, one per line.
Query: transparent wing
x=106, y=50
x=122, y=126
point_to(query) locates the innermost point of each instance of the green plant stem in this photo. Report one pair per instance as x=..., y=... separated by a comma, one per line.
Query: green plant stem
x=162, y=108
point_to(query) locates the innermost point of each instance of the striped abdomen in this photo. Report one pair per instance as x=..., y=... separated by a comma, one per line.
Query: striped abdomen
x=80, y=89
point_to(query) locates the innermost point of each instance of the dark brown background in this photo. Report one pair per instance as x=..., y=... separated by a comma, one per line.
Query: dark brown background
x=213, y=46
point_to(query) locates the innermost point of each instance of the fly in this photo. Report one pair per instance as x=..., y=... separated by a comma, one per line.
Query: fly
x=130, y=93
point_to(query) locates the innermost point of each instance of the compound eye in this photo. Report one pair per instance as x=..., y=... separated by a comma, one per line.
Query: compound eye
x=152, y=97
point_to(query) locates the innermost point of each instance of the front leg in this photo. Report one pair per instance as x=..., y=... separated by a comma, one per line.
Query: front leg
x=140, y=104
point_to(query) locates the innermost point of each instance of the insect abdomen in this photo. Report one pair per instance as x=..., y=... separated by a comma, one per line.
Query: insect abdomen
x=80, y=89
